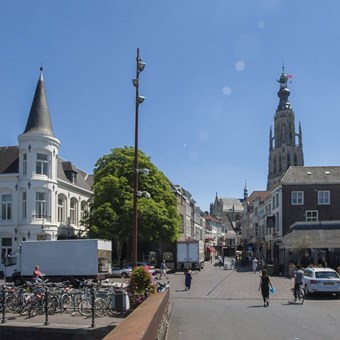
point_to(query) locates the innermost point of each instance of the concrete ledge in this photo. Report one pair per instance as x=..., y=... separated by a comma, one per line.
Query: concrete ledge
x=144, y=321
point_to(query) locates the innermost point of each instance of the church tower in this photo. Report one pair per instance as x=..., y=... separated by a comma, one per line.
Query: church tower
x=285, y=147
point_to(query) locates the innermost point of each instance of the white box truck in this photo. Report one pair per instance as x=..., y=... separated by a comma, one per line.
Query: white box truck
x=190, y=254
x=60, y=260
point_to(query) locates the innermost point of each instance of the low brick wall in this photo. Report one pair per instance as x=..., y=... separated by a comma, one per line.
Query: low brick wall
x=145, y=321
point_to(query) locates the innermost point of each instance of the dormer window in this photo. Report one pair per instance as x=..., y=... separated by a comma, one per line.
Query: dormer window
x=41, y=165
x=70, y=172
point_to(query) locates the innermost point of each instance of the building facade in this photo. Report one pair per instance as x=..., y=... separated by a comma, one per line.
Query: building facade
x=42, y=196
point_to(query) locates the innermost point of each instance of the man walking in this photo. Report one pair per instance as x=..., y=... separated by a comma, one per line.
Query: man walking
x=254, y=264
x=163, y=270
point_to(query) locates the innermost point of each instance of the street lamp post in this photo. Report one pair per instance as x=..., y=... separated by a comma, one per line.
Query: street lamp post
x=139, y=99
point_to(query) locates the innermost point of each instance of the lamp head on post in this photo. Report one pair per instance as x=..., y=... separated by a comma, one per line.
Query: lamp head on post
x=141, y=99
x=145, y=193
x=140, y=65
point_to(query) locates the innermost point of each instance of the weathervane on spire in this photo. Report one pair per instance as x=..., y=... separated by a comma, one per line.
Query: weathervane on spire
x=41, y=71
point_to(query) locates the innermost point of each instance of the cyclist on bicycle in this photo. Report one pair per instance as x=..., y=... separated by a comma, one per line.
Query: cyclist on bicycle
x=298, y=280
x=37, y=275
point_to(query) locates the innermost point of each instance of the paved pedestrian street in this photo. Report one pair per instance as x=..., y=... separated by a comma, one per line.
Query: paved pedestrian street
x=238, y=284
x=226, y=304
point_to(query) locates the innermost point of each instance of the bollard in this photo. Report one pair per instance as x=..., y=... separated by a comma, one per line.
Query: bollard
x=46, y=306
x=92, y=307
x=3, y=304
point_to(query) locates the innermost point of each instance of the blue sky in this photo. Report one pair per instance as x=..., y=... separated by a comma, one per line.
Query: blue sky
x=209, y=82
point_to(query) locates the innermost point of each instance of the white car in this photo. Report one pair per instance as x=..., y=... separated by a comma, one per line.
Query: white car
x=151, y=268
x=121, y=272
x=321, y=280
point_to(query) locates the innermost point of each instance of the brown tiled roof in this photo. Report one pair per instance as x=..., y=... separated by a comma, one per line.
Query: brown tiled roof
x=262, y=195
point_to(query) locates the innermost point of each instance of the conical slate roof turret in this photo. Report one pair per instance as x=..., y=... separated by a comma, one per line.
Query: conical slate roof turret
x=39, y=120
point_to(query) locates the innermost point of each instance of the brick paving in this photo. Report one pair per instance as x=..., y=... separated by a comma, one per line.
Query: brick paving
x=238, y=284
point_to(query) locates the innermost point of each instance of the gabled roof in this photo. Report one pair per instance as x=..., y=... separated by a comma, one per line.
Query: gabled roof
x=9, y=159
x=312, y=175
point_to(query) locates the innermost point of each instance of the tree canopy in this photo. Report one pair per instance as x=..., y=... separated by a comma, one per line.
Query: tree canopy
x=111, y=207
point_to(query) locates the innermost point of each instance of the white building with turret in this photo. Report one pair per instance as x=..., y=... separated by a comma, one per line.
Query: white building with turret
x=42, y=196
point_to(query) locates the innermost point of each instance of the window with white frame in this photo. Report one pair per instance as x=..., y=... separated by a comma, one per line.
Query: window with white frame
x=24, y=204
x=24, y=164
x=61, y=209
x=41, y=165
x=40, y=205
x=297, y=197
x=6, y=206
x=324, y=197
x=73, y=211
x=311, y=215
x=83, y=209
x=6, y=248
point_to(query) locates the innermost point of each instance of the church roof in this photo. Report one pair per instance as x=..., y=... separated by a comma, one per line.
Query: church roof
x=39, y=120
x=230, y=204
x=312, y=175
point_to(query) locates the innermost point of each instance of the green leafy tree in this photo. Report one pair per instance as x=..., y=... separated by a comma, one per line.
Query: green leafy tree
x=111, y=207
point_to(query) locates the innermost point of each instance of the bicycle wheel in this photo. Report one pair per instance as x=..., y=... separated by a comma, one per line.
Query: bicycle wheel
x=301, y=296
x=52, y=304
x=100, y=307
x=12, y=303
x=85, y=308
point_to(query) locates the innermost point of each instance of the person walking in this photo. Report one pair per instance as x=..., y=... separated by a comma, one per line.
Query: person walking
x=254, y=264
x=264, y=287
x=298, y=280
x=163, y=270
x=220, y=262
x=188, y=278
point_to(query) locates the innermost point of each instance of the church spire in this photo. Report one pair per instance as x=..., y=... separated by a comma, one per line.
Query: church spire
x=283, y=92
x=285, y=143
x=39, y=120
x=245, y=191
